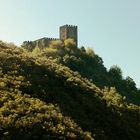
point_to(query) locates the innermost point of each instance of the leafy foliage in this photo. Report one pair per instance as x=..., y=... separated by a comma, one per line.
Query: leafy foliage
x=90, y=66
x=43, y=99
x=22, y=116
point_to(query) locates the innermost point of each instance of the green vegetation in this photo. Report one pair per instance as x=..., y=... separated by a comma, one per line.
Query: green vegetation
x=89, y=65
x=64, y=92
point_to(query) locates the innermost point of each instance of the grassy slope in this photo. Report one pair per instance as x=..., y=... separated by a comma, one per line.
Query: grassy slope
x=45, y=87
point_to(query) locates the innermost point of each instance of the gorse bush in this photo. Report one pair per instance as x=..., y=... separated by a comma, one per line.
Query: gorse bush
x=23, y=116
x=47, y=97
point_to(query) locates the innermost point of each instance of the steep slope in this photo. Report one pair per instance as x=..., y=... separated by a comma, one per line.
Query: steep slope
x=23, y=116
x=51, y=93
x=26, y=118
x=89, y=65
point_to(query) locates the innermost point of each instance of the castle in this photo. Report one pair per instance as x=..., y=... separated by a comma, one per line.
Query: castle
x=69, y=31
x=65, y=32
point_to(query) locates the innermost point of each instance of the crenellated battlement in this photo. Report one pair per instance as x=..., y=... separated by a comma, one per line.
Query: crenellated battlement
x=52, y=38
x=71, y=26
x=47, y=38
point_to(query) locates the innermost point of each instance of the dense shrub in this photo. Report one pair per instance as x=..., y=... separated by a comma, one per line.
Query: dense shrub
x=41, y=98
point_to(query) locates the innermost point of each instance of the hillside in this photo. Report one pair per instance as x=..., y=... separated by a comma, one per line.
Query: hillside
x=45, y=96
x=88, y=64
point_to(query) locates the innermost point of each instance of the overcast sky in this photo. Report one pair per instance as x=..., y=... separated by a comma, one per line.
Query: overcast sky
x=110, y=27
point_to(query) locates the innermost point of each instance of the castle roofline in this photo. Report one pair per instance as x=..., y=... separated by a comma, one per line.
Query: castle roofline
x=67, y=25
x=47, y=38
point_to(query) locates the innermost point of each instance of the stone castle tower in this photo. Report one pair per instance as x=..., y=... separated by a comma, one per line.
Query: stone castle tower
x=65, y=32
x=69, y=31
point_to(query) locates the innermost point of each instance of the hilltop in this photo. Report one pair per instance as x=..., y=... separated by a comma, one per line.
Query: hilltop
x=64, y=92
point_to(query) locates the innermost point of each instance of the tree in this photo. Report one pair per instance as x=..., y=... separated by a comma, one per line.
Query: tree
x=115, y=72
x=36, y=51
x=83, y=49
x=70, y=43
x=90, y=52
x=130, y=83
x=56, y=44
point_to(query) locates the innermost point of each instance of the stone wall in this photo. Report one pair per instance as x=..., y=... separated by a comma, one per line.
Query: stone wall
x=41, y=43
x=66, y=31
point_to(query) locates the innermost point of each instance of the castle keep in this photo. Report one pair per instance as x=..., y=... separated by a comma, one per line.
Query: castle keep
x=68, y=31
x=65, y=32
